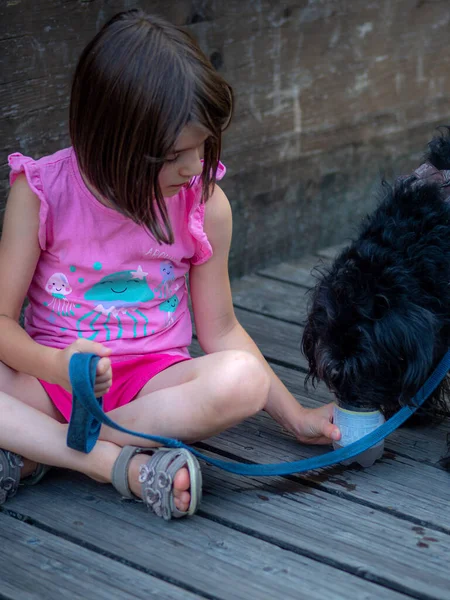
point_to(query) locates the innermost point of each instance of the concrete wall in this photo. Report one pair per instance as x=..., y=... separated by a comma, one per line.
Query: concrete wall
x=331, y=94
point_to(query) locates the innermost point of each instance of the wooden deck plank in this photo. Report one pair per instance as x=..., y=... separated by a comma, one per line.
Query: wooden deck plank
x=261, y=439
x=394, y=489
x=380, y=547
x=38, y=565
x=390, y=485
x=344, y=532
x=300, y=272
x=278, y=340
x=203, y=554
x=268, y=297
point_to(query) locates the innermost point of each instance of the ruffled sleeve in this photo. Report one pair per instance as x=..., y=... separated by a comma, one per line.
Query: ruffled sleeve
x=203, y=249
x=24, y=164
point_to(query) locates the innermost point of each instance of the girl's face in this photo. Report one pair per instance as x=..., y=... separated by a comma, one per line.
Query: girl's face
x=184, y=162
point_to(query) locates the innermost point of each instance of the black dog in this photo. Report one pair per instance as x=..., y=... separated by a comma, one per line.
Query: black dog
x=379, y=321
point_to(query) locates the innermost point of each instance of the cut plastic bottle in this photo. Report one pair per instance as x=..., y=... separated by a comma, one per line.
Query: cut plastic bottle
x=355, y=424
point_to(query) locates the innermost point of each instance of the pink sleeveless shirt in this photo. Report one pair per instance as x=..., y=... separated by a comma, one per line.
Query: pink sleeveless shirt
x=102, y=277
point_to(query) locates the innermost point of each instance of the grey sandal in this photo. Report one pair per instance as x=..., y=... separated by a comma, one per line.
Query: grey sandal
x=10, y=466
x=156, y=478
x=36, y=475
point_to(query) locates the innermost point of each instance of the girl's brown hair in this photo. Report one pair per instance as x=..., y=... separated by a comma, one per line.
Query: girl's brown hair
x=136, y=85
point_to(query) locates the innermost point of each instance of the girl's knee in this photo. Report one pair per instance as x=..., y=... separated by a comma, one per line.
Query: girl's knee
x=247, y=380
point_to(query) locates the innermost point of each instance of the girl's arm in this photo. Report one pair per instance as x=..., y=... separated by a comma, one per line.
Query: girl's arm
x=19, y=255
x=218, y=329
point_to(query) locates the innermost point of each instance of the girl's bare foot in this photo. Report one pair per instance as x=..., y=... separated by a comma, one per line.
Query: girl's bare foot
x=181, y=482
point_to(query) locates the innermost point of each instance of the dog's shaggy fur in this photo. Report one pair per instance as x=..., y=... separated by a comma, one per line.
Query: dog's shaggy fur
x=379, y=319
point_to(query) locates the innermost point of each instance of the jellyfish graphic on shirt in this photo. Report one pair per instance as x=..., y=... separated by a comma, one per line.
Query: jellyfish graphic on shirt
x=169, y=307
x=165, y=288
x=118, y=296
x=58, y=287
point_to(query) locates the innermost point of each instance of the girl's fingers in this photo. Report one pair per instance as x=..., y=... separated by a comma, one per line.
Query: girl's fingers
x=101, y=385
x=102, y=378
x=101, y=391
x=330, y=431
x=83, y=345
x=103, y=367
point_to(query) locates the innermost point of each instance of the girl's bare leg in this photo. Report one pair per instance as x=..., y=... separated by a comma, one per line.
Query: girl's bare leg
x=34, y=434
x=194, y=400
x=190, y=401
x=28, y=390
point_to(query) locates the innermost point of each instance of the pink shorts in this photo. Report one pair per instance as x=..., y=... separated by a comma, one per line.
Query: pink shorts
x=129, y=377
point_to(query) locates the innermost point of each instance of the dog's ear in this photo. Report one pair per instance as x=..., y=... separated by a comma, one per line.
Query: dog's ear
x=406, y=335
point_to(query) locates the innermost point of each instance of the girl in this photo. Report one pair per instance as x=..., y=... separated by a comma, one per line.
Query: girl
x=100, y=237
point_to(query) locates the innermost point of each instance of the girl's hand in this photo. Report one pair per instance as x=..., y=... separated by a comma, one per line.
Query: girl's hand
x=316, y=427
x=103, y=378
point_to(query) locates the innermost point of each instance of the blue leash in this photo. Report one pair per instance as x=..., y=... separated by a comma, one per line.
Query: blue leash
x=87, y=417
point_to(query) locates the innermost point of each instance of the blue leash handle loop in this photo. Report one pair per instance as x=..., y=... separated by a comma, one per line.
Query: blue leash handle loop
x=88, y=415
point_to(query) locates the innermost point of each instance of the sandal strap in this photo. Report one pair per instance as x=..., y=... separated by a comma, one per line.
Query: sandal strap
x=119, y=475
x=157, y=476
x=36, y=476
x=10, y=466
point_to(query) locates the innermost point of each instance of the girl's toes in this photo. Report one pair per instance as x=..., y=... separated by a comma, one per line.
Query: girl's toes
x=181, y=480
x=182, y=501
x=181, y=484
